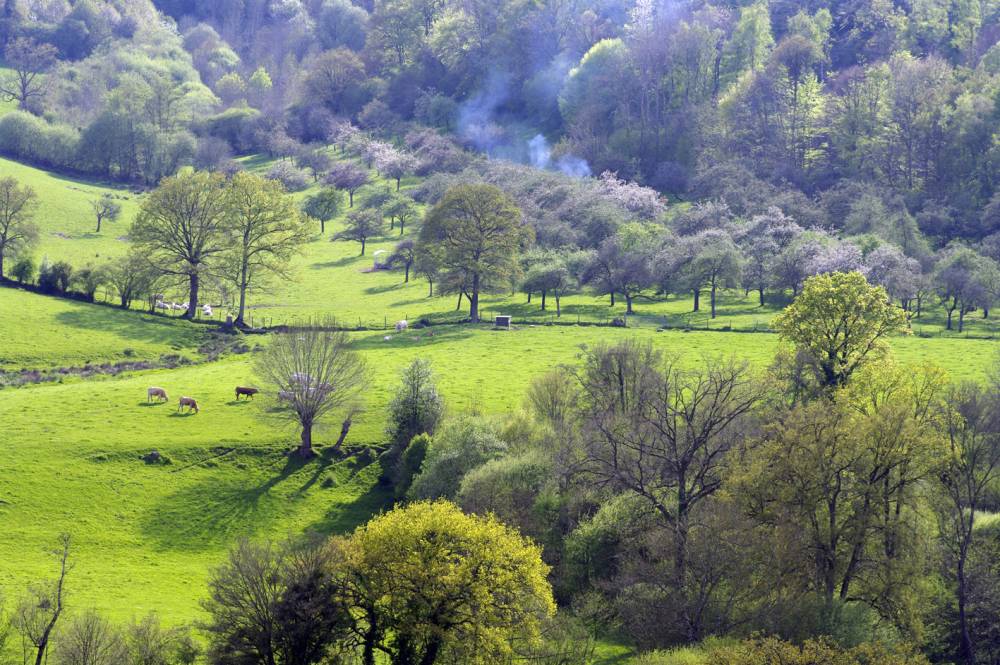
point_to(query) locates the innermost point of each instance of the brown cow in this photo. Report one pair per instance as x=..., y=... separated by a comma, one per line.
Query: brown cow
x=188, y=402
x=159, y=393
x=248, y=392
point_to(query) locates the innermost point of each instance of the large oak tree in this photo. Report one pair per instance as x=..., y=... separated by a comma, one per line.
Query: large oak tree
x=480, y=232
x=181, y=227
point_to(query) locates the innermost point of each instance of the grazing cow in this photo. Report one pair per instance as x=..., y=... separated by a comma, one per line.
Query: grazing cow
x=402, y=325
x=188, y=402
x=206, y=310
x=248, y=392
x=159, y=393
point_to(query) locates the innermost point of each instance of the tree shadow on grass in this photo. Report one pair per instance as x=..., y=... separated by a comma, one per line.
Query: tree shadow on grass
x=337, y=263
x=122, y=324
x=221, y=505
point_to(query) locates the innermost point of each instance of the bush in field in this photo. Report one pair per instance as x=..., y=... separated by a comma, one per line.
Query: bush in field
x=460, y=446
x=293, y=178
x=55, y=277
x=24, y=270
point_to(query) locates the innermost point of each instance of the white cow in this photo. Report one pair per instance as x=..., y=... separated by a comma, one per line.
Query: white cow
x=402, y=325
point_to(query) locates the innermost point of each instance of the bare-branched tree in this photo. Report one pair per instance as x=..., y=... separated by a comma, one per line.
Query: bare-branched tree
x=662, y=432
x=39, y=611
x=315, y=372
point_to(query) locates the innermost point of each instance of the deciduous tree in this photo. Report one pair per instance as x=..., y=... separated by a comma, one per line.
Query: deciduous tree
x=265, y=230
x=18, y=204
x=181, y=227
x=841, y=322
x=479, y=232
x=324, y=205
x=430, y=585
x=314, y=372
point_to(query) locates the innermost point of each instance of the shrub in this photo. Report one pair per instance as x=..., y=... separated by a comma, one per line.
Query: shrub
x=514, y=489
x=460, y=446
x=417, y=406
x=410, y=462
x=32, y=139
x=55, y=277
x=24, y=270
x=293, y=178
x=89, y=279
x=236, y=126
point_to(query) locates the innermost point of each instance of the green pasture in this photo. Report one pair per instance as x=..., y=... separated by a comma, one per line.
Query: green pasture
x=331, y=278
x=66, y=220
x=38, y=332
x=147, y=534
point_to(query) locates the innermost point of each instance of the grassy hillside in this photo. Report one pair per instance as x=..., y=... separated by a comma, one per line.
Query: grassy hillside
x=331, y=278
x=65, y=218
x=151, y=532
x=41, y=332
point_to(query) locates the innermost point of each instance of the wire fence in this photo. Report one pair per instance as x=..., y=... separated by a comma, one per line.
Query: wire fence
x=257, y=320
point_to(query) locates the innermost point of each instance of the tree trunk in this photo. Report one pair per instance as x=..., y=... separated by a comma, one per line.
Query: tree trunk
x=697, y=300
x=1, y=266
x=966, y=653
x=192, y=296
x=430, y=288
x=322, y=224
x=543, y=300
x=961, y=319
x=98, y=225
x=761, y=292
x=398, y=180
x=407, y=278
x=400, y=226
x=345, y=428
x=712, y=299
x=243, y=295
x=474, y=300
x=350, y=198
x=558, y=307
x=305, y=448
x=628, y=303
x=612, y=298
x=363, y=243
x=459, y=305
x=431, y=654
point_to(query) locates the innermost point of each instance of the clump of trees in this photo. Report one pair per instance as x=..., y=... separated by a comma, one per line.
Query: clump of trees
x=198, y=223
x=424, y=583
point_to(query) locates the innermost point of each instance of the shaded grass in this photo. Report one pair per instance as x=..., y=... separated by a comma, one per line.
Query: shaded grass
x=147, y=534
x=41, y=332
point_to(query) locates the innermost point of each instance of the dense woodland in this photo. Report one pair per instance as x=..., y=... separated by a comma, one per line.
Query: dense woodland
x=841, y=158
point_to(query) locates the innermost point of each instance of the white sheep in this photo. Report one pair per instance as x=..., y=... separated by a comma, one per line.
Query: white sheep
x=402, y=325
x=206, y=310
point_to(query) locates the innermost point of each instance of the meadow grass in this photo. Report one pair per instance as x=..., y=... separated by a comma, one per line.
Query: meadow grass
x=39, y=332
x=66, y=220
x=332, y=278
x=147, y=535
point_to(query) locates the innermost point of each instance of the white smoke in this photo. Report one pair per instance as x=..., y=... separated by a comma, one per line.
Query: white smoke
x=540, y=155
